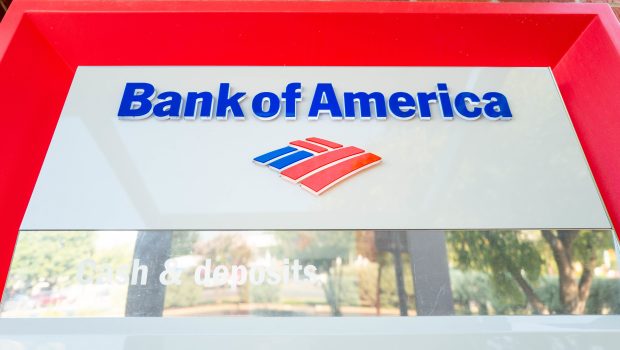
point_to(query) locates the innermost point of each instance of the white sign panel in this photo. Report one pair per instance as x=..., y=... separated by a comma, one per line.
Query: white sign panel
x=314, y=148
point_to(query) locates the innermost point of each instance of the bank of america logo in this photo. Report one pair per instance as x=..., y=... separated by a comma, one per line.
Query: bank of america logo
x=317, y=164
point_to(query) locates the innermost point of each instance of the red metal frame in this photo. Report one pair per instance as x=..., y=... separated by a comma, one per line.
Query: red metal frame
x=42, y=43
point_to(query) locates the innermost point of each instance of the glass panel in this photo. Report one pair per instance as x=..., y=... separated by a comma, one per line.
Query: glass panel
x=312, y=273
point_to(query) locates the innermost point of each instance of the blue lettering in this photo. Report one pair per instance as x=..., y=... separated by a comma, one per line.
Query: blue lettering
x=444, y=101
x=258, y=104
x=364, y=100
x=136, y=103
x=424, y=104
x=226, y=102
x=169, y=105
x=291, y=96
x=139, y=102
x=402, y=105
x=460, y=104
x=497, y=106
x=205, y=99
x=324, y=101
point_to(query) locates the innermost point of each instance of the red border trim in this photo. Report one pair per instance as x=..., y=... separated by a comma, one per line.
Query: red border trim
x=42, y=43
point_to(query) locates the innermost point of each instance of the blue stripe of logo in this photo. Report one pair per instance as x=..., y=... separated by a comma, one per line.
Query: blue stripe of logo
x=290, y=159
x=274, y=154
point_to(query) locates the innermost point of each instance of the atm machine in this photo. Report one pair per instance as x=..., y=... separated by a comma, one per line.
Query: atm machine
x=182, y=175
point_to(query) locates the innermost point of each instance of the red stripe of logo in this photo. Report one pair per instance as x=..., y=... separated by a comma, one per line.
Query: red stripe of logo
x=324, y=142
x=309, y=146
x=297, y=171
x=326, y=178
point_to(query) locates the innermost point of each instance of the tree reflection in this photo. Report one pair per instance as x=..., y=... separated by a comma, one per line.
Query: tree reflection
x=516, y=261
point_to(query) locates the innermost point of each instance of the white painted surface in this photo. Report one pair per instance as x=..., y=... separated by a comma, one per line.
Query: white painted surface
x=437, y=333
x=105, y=173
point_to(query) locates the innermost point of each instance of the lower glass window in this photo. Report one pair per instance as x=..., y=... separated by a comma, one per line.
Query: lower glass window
x=312, y=273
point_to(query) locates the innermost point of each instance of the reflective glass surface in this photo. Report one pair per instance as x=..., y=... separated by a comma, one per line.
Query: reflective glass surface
x=312, y=273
